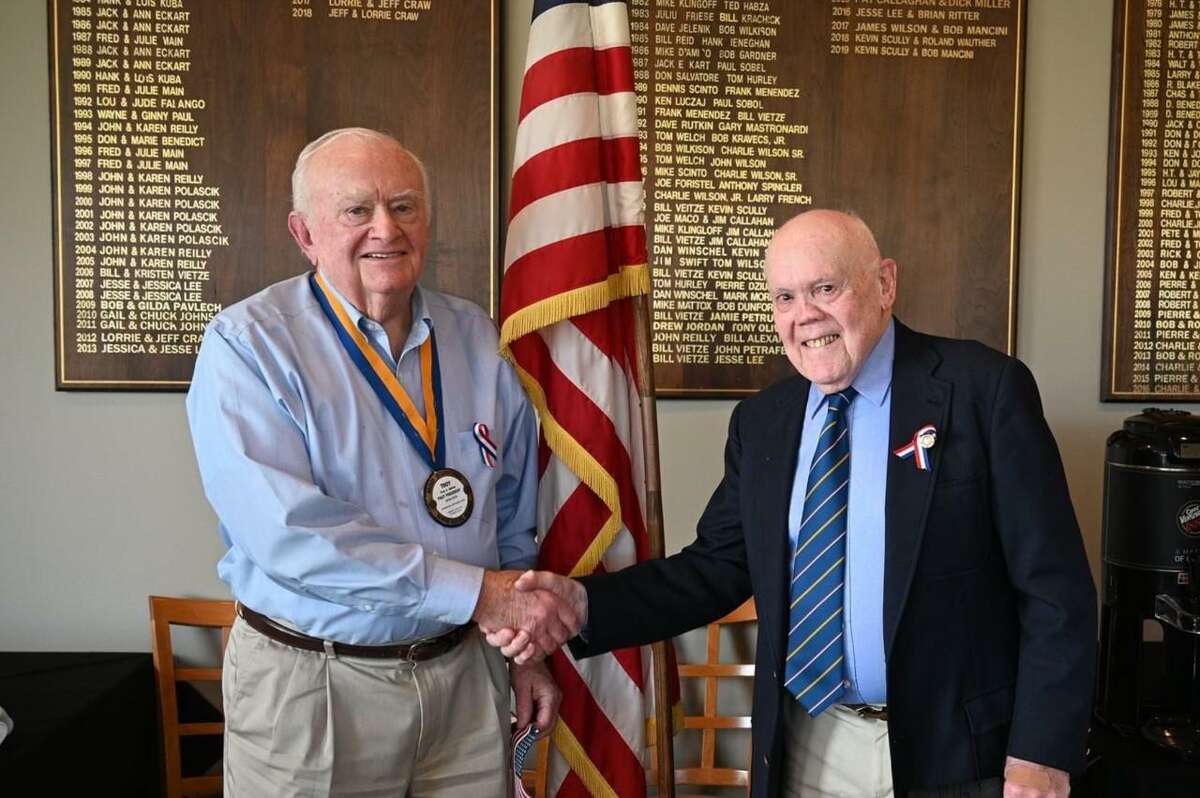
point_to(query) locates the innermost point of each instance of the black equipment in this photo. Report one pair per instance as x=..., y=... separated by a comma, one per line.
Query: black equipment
x=1151, y=572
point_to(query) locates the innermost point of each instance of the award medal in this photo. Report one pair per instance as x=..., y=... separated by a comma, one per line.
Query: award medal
x=448, y=496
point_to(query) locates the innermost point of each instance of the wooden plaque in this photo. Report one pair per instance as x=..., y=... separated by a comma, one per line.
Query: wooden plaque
x=908, y=113
x=175, y=127
x=1152, y=285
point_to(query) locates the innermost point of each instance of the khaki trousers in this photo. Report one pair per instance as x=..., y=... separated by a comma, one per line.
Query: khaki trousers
x=299, y=723
x=836, y=755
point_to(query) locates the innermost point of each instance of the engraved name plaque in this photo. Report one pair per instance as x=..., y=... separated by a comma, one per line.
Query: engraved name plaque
x=1152, y=290
x=905, y=111
x=175, y=125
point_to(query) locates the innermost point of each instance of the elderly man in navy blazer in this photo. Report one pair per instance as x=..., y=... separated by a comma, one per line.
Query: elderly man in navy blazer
x=927, y=618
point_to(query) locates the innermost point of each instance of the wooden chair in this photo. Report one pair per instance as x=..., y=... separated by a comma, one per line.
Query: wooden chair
x=709, y=722
x=712, y=670
x=165, y=613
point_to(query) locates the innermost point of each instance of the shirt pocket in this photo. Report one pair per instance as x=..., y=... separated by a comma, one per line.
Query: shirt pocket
x=468, y=458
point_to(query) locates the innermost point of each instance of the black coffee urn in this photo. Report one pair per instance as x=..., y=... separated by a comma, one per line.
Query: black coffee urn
x=1151, y=572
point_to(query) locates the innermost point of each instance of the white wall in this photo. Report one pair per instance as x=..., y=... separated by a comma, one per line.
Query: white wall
x=100, y=503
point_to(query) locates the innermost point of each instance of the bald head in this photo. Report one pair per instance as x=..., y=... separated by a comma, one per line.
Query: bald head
x=327, y=145
x=835, y=235
x=831, y=294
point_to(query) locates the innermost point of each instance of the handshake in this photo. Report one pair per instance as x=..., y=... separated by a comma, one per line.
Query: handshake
x=529, y=615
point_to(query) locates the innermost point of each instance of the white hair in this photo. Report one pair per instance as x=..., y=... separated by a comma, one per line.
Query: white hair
x=300, y=172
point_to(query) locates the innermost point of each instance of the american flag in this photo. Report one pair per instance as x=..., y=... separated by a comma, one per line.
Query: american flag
x=575, y=254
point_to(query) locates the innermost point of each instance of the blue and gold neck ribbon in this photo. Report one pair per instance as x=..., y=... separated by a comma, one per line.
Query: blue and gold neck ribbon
x=426, y=434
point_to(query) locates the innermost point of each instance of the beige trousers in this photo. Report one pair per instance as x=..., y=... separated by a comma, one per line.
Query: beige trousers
x=836, y=755
x=298, y=723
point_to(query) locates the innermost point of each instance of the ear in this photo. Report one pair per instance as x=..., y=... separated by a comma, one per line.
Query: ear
x=887, y=282
x=300, y=232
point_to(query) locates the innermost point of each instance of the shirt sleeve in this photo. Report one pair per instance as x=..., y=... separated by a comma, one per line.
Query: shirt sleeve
x=516, y=489
x=254, y=464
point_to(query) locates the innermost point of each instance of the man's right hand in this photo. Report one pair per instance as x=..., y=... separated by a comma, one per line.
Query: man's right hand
x=523, y=646
x=542, y=619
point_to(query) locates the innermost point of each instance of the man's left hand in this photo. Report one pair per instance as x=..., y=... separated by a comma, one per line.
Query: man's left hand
x=537, y=695
x=1025, y=779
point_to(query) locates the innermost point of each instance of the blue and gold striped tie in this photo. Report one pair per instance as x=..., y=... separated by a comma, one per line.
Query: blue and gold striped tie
x=815, y=671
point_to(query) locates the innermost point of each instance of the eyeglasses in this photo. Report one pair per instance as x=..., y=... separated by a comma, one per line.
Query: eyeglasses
x=820, y=293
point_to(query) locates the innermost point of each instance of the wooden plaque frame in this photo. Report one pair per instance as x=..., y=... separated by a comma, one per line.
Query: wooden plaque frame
x=252, y=81
x=915, y=128
x=1139, y=239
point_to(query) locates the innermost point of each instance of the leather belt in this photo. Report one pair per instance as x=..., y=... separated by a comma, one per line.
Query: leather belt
x=416, y=651
x=869, y=711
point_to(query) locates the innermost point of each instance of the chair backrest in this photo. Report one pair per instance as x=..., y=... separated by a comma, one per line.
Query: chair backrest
x=165, y=613
x=710, y=721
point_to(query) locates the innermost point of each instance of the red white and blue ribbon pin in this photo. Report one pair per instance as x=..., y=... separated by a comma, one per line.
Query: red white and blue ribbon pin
x=487, y=447
x=922, y=441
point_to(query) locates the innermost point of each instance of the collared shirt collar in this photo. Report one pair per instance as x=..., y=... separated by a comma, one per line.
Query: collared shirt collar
x=417, y=333
x=874, y=378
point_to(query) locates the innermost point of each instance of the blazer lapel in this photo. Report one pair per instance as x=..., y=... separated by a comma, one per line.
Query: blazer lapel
x=779, y=450
x=918, y=398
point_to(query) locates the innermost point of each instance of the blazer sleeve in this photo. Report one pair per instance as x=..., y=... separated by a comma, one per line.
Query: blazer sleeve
x=658, y=599
x=1048, y=568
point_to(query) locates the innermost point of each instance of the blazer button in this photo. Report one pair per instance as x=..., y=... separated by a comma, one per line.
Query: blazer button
x=766, y=760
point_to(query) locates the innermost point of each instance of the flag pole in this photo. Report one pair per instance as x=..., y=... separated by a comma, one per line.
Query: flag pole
x=663, y=724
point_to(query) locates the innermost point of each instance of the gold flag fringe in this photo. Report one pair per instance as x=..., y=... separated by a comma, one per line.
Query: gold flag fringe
x=631, y=280
x=577, y=758
x=583, y=465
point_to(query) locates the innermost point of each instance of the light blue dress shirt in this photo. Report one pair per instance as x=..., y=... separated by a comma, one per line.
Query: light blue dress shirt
x=866, y=666
x=318, y=492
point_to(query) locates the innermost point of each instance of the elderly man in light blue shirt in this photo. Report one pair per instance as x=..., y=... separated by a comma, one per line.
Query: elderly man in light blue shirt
x=866, y=666
x=373, y=464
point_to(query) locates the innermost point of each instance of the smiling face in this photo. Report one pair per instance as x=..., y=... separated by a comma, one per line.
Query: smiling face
x=362, y=219
x=831, y=295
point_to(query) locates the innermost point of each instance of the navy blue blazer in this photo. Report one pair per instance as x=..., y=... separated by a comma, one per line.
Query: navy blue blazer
x=989, y=610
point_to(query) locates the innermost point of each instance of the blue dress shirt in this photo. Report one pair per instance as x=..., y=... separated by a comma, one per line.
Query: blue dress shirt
x=866, y=666
x=318, y=492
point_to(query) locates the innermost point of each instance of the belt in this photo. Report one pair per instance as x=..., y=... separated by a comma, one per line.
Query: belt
x=416, y=651
x=869, y=711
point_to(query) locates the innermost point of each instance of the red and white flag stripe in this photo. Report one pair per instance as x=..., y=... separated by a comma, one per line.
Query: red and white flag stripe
x=575, y=253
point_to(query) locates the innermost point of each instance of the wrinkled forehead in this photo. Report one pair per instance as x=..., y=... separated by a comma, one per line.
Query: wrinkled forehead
x=821, y=245
x=799, y=262
x=356, y=156
x=378, y=171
